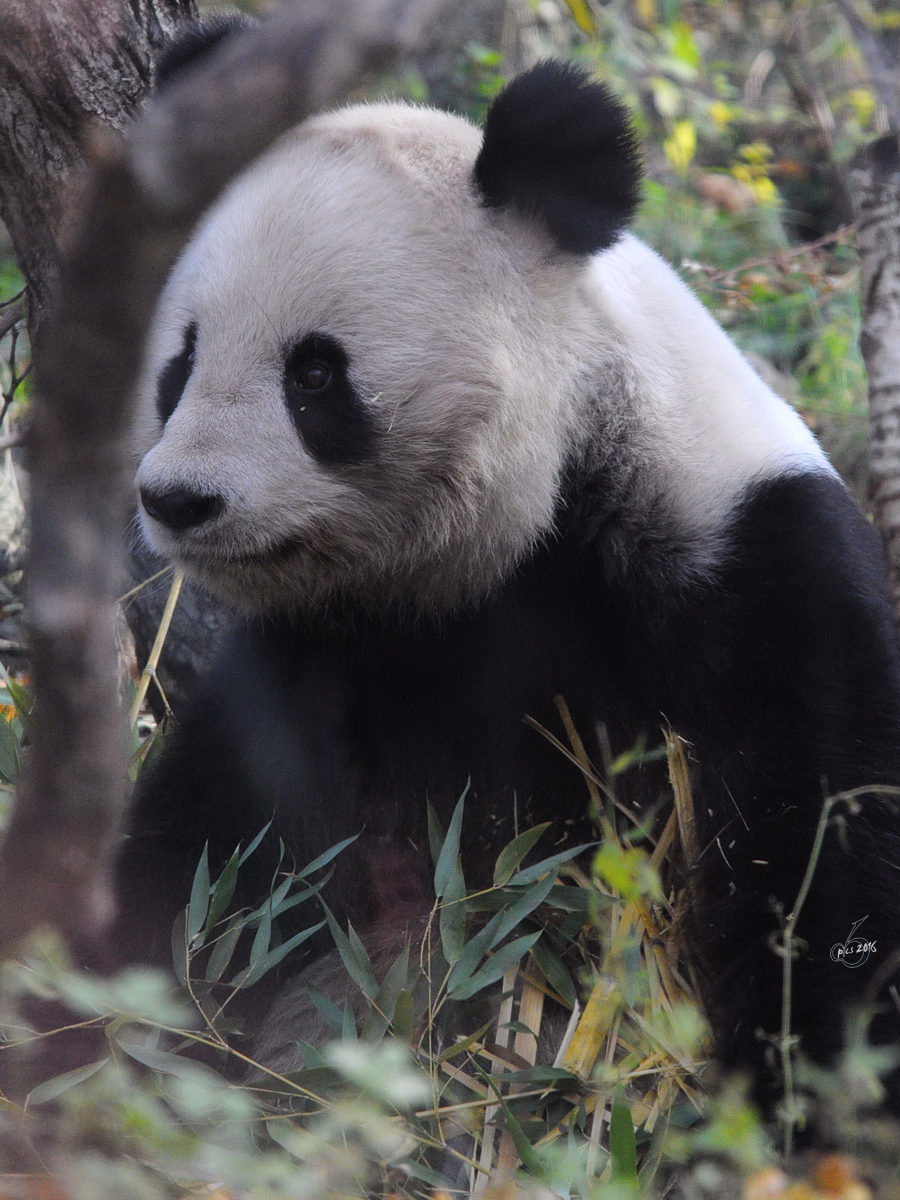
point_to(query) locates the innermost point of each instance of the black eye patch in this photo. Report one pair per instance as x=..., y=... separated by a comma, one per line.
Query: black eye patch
x=333, y=422
x=175, y=374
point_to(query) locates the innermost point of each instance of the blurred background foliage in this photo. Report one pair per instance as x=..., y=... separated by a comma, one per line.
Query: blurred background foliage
x=750, y=114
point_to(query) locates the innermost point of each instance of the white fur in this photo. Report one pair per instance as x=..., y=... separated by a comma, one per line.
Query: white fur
x=490, y=359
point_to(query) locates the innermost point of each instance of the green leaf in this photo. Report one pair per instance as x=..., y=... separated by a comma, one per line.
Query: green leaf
x=262, y=939
x=404, y=1016
x=523, y=907
x=452, y=915
x=622, y=1143
x=511, y=855
x=554, y=971
x=324, y=859
x=253, y=845
x=549, y=864
x=259, y=967
x=348, y=1024
x=463, y=1045
x=222, y=892
x=168, y=1063
x=495, y=967
x=51, y=1088
x=356, y=960
x=450, y=849
x=199, y=902
x=382, y=1011
x=223, y=949
x=330, y=1013
x=524, y=1149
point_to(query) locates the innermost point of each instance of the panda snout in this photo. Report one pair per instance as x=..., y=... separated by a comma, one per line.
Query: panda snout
x=181, y=508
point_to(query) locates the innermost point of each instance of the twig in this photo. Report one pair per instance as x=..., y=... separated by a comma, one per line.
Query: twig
x=11, y=318
x=785, y=1041
x=149, y=671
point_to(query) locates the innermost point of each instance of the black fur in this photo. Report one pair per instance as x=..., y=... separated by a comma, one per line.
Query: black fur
x=334, y=423
x=783, y=675
x=194, y=41
x=175, y=374
x=560, y=148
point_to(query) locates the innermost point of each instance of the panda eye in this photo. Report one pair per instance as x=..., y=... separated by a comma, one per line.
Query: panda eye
x=175, y=374
x=315, y=375
x=334, y=423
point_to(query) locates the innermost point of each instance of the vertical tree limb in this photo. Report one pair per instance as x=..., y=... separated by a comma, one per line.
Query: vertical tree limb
x=876, y=188
x=63, y=64
x=144, y=198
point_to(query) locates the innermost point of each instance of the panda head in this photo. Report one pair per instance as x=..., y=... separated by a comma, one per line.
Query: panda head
x=371, y=366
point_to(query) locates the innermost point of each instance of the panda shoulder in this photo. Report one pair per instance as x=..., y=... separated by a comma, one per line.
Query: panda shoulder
x=690, y=372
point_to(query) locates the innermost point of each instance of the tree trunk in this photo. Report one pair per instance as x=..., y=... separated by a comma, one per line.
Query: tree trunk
x=876, y=186
x=144, y=199
x=63, y=65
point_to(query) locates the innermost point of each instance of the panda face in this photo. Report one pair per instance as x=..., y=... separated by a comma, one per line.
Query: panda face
x=359, y=381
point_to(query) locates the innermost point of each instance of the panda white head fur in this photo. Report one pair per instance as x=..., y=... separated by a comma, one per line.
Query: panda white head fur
x=393, y=345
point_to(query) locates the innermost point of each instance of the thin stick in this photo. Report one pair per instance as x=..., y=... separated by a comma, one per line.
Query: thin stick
x=787, y=1064
x=150, y=669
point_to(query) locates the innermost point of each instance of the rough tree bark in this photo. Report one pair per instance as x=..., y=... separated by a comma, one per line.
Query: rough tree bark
x=144, y=198
x=875, y=188
x=875, y=183
x=63, y=64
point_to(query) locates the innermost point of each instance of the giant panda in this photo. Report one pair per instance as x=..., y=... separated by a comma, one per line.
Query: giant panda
x=455, y=443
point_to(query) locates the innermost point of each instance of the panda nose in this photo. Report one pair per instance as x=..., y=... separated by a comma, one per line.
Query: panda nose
x=180, y=508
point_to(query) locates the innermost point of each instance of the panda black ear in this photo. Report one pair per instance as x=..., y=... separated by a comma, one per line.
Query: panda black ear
x=559, y=147
x=194, y=41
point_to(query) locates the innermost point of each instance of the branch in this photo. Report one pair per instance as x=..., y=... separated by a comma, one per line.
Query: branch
x=144, y=197
x=876, y=188
x=885, y=74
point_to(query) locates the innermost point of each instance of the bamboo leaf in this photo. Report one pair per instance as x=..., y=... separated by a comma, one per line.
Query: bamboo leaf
x=168, y=1063
x=223, y=950
x=324, y=859
x=510, y=856
x=523, y=907
x=382, y=1011
x=404, y=1016
x=495, y=968
x=199, y=902
x=259, y=967
x=52, y=1088
x=551, y=863
x=348, y=1023
x=357, y=962
x=452, y=915
x=330, y=1013
x=622, y=1143
x=554, y=971
x=450, y=849
x=253, y=845
x=222, y=891
x=524, y=1149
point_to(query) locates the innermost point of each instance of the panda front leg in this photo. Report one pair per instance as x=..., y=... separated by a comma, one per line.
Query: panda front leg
x=785, y=678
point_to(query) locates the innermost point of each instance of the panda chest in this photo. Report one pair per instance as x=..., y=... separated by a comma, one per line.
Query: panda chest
x=393, y=717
